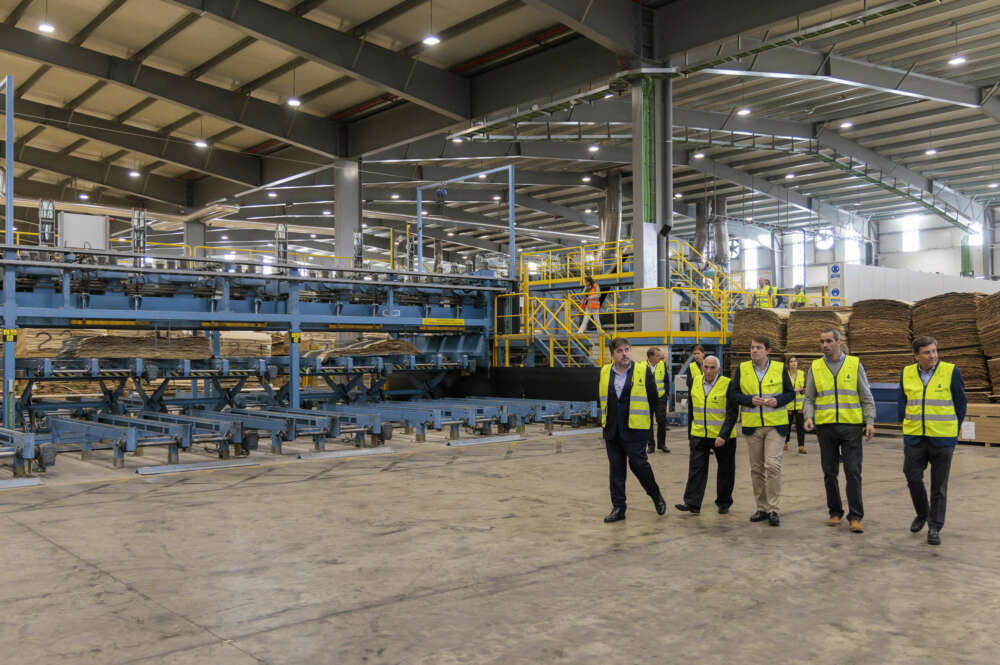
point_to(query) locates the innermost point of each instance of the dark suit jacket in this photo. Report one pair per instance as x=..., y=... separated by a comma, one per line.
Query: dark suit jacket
x=617, y=408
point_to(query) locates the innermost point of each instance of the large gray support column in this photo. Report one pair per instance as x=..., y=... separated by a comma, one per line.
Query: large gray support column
x=194, y=237
x=347, y=179
x=611, y=228
x=643, y=221
x=664, y=157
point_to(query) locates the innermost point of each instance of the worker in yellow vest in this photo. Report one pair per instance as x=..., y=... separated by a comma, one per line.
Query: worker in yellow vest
x=627, y=391
x=655, y=359
x=762, y=389
x=795, y=406
x=932, y=406
x=694, y=367
x=840, y=407
x=711, y=429
x=764, y=296
x=798, y=298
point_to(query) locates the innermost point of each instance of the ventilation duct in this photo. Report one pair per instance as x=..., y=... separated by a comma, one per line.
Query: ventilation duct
x=721, y=229
x=701, y=213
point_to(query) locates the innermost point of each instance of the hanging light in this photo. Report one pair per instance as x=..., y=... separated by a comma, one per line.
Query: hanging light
x=395, y=196
x=134, y=174
x=272, y=195
x=294, y=102
x=84, y=196
x=496, y=197
x=957, y=59
x=789, y=176
x=847, y=124
x=482, y=176
x=594, y=148
x=678, y=195
x=45, y=26
x=930, y=151
x=994, y=185
x=200, y=143
x=431, y=39
x=457, y=139
x=699, y=155
x=587, y=211
x=585, y=178
x=312, y=235
x=327, y=212
x=743, y=111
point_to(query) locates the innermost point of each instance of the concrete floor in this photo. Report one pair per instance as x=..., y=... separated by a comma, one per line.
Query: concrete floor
x=488, y=554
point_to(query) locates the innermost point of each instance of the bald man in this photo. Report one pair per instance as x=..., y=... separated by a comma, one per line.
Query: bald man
x=711, y=429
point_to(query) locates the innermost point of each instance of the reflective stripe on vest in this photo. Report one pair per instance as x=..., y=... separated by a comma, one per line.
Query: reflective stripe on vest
x=638, y=410
x=660, y=374
x=800, y=382
x=708, y=412
x=837, y=399
x=930, y=410
x=771, y=385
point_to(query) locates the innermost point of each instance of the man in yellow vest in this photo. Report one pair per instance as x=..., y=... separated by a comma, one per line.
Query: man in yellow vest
x=764, y=296
x=655, y=359
x=840, y=407
x=932, y=407
x=762, y=389
x=711, y=428
x=627, y=391
x=798, y=298
x=694, y=367
x=795, y=406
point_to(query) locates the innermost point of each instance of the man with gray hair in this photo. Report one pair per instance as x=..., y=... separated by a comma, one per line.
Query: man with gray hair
x=712, y=429
x=840, y=407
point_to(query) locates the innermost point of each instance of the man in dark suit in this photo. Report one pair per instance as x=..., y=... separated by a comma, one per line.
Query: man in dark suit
x=627, y=392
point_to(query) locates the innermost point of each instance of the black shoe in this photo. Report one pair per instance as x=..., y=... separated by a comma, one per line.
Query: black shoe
x=660, y=504
x=773, y=519
x=723, y=510
x=664, y=449
x=687, y=509
x=650, y=448
x=917, y=524
x=758, y=516
x=933, y=536
x=616, y=515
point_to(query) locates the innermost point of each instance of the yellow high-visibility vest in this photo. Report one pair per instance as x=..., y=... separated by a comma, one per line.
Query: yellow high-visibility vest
x=638, y=410
x=696, y=373
x=837, y=399
x=930, y=410
x=660, y=374
x=765, y=296
x=708, y=412
x=798, y=299
x=800, y=382
x=771, y=385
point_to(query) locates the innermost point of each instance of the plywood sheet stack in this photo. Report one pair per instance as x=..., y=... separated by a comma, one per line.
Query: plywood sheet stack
x=988, y=327
x=150, y=347
x=880, y=335
x=244, y=344
x=758, y=321
x=952, y=320
x=982, y=423
x=805, y=325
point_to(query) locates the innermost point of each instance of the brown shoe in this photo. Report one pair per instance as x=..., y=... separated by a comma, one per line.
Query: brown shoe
x=786, y=446
x=856, y=526
x=833, y=521
x=802, y=450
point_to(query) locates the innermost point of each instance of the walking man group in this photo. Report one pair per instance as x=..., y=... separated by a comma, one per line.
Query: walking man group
x=837, y=404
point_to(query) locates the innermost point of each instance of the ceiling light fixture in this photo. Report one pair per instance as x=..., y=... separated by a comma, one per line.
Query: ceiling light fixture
x=699, y=155
x=930, y=151
x=451, y=233
x=587, y=211
x=789, y=176
x=994, y=185
x=312, y=235
x=585, y=178
x=847, y=124
x=956, y=59
x=482, y=176
x=327, y=212
x=743, y=111
x=225, y=237
x=678, y=195
x=496, y=197
x=457, y=139
x=395, y=196
x=134, y=174
x=294, y=102
x=84, y=196
x=431, y=39
x=272, y=195
x=200, y=143
x=45, y=26
x=594, y=148
x=750, y=219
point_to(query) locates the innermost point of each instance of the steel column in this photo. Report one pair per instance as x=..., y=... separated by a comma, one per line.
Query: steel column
x=9, y=290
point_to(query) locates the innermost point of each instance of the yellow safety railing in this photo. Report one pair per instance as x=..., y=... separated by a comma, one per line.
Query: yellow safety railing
x=552, y=321
x=569, y=265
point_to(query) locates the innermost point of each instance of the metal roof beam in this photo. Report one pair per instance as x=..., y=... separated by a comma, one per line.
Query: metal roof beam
x=236, y=167
x=438, y=148
x=308, y=131
x=166, y=190
x=423, y=84
x=614, y=25
x=32, y=189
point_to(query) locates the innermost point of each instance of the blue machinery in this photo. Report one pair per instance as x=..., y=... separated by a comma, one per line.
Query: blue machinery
x=447, y=317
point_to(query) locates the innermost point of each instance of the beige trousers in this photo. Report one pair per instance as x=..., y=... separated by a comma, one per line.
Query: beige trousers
x=765, y=447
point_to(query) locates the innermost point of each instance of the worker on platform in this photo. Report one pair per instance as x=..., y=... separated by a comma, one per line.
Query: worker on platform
x=840, y=407
x=655, y=358
x=711, y=429
x=626, y=391
x=591, y=303
x=762, y=389
x=932, y=406
x=765, y=294
x=798, y=297
x=795, y=406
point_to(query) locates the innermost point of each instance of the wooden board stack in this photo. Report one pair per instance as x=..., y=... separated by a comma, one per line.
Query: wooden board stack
x=952, y=319
x=988, y=326
x=880, y=336
x=150, y=347
x=805, y=325
x=758, y=321
x=244, y=344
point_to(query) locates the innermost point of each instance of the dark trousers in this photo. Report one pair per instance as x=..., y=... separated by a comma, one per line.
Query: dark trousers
x=915, y=459
x=836, y=443
x=725, y=477
x=660, y=411
x=800, y=428
x=633, y=453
